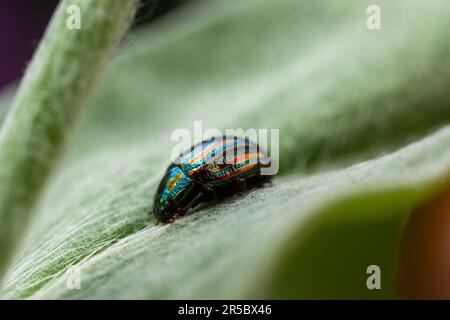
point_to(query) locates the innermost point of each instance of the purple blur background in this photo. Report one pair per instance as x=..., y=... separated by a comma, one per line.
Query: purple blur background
x=22, y=24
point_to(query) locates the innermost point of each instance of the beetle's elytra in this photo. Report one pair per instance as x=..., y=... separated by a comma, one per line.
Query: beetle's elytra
x=213, y=169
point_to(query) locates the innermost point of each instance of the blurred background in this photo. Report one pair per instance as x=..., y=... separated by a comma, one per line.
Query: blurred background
x=23, y=22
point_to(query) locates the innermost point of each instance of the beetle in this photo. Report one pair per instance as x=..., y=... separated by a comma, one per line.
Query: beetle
x=210, y=170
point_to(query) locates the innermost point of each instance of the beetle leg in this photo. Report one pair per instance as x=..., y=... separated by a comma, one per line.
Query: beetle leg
x=175, y=218
x=239, y=186
x=210, y=192
x=242, y=184
x=194, y=202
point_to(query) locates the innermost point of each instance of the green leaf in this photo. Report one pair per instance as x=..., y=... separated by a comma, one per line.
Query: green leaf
x=363, y=140
x=303, y=238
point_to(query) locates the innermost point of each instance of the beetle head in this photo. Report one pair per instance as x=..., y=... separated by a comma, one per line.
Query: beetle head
x=173, y=191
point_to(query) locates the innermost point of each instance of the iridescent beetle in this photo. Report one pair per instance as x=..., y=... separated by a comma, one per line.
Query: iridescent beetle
x=211, y=170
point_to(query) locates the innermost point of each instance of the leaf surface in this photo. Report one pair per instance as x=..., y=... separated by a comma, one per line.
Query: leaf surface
x=363, y=139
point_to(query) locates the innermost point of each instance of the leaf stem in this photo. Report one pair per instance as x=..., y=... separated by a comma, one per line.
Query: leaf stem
x=64, y=72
